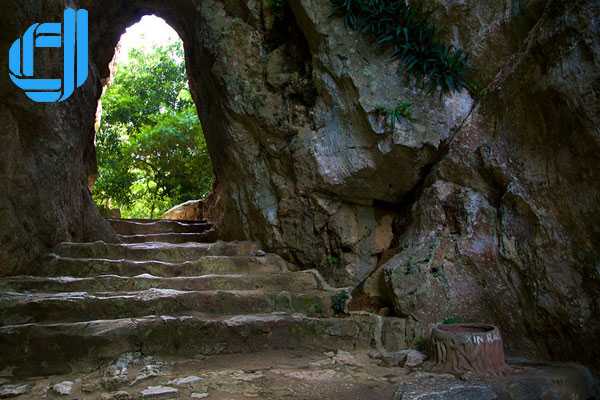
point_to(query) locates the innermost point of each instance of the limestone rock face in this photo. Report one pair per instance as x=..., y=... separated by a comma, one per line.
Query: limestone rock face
x=189, y=211
x=46, y=156
x=482, y=210
x=504, y=228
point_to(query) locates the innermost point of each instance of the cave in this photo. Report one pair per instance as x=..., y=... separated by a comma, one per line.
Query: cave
x=482, y=207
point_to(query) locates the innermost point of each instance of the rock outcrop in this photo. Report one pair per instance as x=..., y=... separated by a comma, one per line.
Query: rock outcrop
x=481, y=209
x=192, y=210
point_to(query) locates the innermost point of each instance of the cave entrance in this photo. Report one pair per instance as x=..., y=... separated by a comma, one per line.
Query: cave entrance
x=150, y=145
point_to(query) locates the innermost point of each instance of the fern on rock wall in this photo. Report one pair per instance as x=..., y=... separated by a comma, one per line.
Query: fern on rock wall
x=408, y=31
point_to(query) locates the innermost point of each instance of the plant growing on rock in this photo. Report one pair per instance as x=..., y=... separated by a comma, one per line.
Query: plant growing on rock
x=276, y=5
x=402, y=110
x=277, y=8
x=333, y=262
x=339, y=301
x=414, y=40
x=422, y=344
x=452, y=320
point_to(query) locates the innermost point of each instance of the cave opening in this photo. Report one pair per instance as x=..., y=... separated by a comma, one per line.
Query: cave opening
x=151, y=150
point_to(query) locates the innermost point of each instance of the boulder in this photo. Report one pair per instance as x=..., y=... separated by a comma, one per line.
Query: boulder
x=192, y=210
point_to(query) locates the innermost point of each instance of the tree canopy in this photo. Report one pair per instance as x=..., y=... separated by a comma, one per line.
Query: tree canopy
x=151, y=149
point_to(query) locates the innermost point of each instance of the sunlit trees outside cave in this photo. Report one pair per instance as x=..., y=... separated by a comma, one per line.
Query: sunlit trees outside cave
x=150, y=145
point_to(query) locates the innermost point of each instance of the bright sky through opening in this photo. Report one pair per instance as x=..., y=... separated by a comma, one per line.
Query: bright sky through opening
x=147, y=34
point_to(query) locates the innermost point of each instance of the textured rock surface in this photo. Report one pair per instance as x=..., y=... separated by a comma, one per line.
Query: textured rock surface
x=192, y=210
x=496, y=206
x=309, y=375
x=503, y=227
x=525, y=381
x=63, y=388
x=47, y=154
x=9, y=391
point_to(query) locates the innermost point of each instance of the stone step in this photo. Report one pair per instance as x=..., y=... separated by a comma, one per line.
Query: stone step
x=155, y=251
x=290, y=281
x=144, y=227
x=209, y=236
x=56, y=266
x=148, y=220
x=48, y=349
x=23, y=308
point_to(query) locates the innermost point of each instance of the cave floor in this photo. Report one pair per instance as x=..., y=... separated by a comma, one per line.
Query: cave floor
x=272, y=375
x=168, y=312
x=268, y=375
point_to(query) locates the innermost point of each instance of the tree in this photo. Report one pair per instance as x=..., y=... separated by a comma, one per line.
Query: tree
x=151, y=148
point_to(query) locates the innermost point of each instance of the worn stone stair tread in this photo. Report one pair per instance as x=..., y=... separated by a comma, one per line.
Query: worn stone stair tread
x=161, y=220
x=169, y=290
x=78, y=267
x=42, y=349
x=18, y=308
x=210, y=236
x=134, y=227
x=157, y=251
x=290, y=281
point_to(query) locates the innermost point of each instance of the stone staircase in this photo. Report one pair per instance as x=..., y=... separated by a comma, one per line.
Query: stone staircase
x=170, y=289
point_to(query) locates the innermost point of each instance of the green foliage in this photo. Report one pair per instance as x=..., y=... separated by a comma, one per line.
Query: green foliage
x=402, y=110
x=339, y=301
x=452, y=320
x=333, y=262
x=407, y=30
x=422, y=344
x=115, y=178
x=150, y=145
x=147, y=85
x=277, y=5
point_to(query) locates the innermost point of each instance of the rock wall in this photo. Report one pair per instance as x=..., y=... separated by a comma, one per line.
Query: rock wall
x=47, y=154
x=479, y=209
x=505, y=227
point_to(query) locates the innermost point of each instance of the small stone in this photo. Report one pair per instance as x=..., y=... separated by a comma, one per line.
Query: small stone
x=322, y=363
x=8, y=391
x=149, y=371
x=394, y=359
x=63, y=388
x=345, y=358
x=185, y=381
x=447, y=389
x=199, y=395
x=260, y=253
x=117, y=374
x=159, y=392
x=414, y=358
x=121, y=395
x=90, y=387
x=113, y=382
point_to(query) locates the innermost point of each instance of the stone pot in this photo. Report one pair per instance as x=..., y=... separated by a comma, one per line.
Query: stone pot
x=462, y=348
